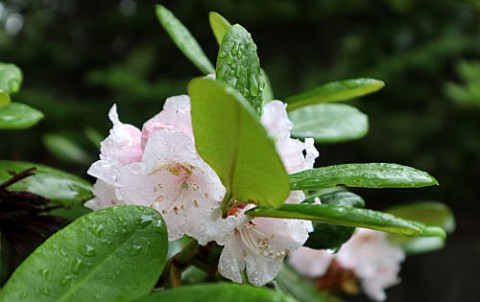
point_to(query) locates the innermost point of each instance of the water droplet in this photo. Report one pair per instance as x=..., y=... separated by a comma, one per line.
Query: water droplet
x=65, y=280
x=99, y=229
x=235, y=49
x=77, y=265
x=136, y=249
x=89, y=251
x=146, y=220
x=222, y=54
x=23, y=295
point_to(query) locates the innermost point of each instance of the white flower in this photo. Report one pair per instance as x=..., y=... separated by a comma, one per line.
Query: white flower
x=310, y=262
x=374, y=260
x=169, y=175
x=368, y=254
x=259, y=247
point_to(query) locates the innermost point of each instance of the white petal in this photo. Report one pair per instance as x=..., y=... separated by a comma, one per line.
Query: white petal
x=373, y=259
x=104, y=196
x=275, y=119
x=309, y=262
x=232, y=260
x=261, y=270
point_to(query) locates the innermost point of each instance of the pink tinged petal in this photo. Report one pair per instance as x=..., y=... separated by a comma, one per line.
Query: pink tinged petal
x=232, y=259
x=274, y=118
x=310, y=262
x=174, y=116
x=124, y=142
x=374, y=259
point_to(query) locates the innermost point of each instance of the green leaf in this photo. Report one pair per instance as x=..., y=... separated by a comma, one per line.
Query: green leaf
x=115, y=254
x=329, y=123
x=300, y=287
x=66, y=149
x=372, y=175
x=58, y=186
x=219, y=25
x=334, y=92
x=18, y=116
x=10, y=82
x=184, y=40
x=268, y=90
x=218, y=292
x=348, y=216
x=232, y=141
x=238, y=65
x=428, y=212
x=329, y=236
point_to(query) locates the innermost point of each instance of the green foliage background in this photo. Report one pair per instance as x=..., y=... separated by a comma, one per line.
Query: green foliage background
x=80, y=56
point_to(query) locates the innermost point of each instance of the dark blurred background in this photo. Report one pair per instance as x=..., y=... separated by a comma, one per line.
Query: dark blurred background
x=79, y=57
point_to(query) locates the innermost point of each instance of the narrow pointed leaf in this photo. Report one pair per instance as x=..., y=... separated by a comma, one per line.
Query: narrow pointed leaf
x=219, y=25
x=348, y=216
x=238, y=65
x=329, y=123
x=334, y=92
x=66, y=149
x=10, y=82
x=18, y=116
x=329, y=236
x=371, y=175
x=115, y=254
x=428, y=212
x=218, y=292
x=232, y=141
x=58, y=186
x=184, y=40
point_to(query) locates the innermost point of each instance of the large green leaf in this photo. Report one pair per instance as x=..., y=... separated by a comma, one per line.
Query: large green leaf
x=372, y=175
x=18, y=116
x=232, y=141
x=58, y=186
x=238, y=65
x=348, y=216
x=429, y=212
x=218, y=292
x=10, y=81
x=330, y=236
x=115, y=254
x=329, y=123
x=334, y=92
x=219, y=26
x=300, y=287
x=184, y=40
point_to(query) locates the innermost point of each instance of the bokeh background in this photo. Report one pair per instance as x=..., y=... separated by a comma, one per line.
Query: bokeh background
x=79, y=57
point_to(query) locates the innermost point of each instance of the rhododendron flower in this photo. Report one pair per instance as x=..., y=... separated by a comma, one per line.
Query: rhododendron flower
x=259, y=246
x=166, y=174
x=368, y=254
x=374, y=260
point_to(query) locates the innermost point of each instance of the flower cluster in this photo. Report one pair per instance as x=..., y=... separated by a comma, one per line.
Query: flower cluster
x=159, y=167
x=368, y=255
